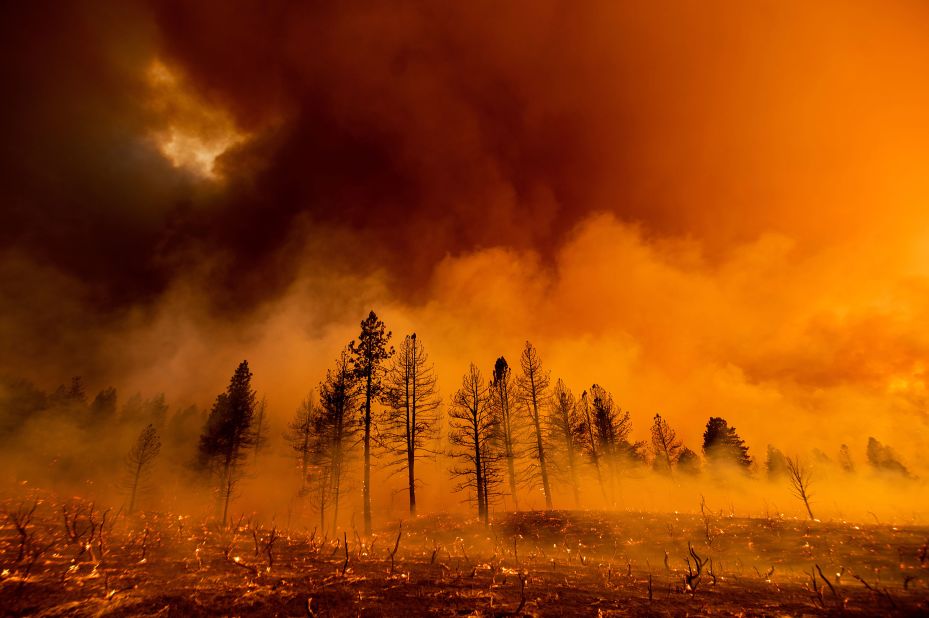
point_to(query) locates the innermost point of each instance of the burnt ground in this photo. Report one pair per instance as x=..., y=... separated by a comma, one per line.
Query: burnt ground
x=70, y=561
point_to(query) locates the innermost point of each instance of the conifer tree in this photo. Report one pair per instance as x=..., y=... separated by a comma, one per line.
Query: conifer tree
x=368, y=355
x=139, y=461
x=501, y=401
x=228, y=433
x=666, y=446
x=721, y=444
x=532, y=387
x=473, y=437
x=569, y=430
x=412, y=400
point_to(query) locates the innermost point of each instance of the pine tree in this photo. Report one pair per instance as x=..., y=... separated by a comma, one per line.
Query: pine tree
x=688, y=462
x=473, y=437
x=721, y=444
x=569, y=429
x=500, y=398
x=368, y=355
x=261, y=426
x=589, y=439
x=412, y=400
x=532, y=388
x=845, y=459
x=338, y=396
x=139, y=461
x=666, y=446
x=228, y=433
x=776, y=464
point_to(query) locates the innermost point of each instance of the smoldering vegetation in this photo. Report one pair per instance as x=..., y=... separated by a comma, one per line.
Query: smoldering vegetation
x=511, y=495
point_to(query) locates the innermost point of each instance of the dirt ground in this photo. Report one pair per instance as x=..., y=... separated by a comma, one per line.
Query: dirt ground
x=72, y=559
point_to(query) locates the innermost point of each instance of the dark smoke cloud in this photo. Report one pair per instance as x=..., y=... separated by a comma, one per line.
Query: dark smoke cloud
x=387, y=136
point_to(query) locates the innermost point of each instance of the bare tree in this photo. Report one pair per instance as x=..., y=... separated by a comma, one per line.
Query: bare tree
x=412, y=400
x=569, y=427
x=665, y=444
x=590, y=445
x=473, y=436
x=800, y=477
x=532, y=388
x=300, y=436
x=338, y=394
x=139, y=461
x=501, y=402
x=261, y=426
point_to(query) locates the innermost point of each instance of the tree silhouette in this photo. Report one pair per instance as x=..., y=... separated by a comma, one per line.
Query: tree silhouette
x=569, y=429
x=589, y=439
x=412, y=400
x=845, y=459
x=103, y=407
x=776, y=464
x=800, y=478
x=261, y=426
x=532, y=388
x=883, y=459
x=688, y=462
x=301, y=435
x=228, y=432
x=665, y=444
x=473, y=437
x=612, y=426
x=721, y=444
x=139, y=460
x=338, y=396
x=368, y=355
x=500, y=398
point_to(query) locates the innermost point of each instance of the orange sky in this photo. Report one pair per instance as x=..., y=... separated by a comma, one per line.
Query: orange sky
x=710, y=208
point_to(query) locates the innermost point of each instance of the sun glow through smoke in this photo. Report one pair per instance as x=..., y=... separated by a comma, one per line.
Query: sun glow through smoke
x=191, y=133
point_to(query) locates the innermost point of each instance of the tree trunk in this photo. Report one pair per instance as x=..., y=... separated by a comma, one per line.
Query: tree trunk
x=366, y=486
x=135, y=485
x=541, y=450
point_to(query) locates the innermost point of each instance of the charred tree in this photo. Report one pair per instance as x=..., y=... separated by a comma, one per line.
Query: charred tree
x=139, y=461
x=501, y=402
x=590, y=443
x=412, y=401
x=261, y=426
x=473, y=437
x=368, y=355
x=336, y=428
x=532, y=388
x=800, y=478
x=228, y=433
x=569, y=428
x=666, y=446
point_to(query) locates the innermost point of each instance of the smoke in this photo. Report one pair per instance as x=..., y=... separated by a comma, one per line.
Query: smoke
x=709, y=212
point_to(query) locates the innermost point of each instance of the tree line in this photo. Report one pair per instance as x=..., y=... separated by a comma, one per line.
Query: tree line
x=510, y=434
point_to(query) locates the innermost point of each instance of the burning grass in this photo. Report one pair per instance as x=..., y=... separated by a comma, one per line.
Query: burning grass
x=75, y=558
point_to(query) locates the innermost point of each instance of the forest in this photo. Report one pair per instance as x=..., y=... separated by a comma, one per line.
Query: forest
x=521, y=464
